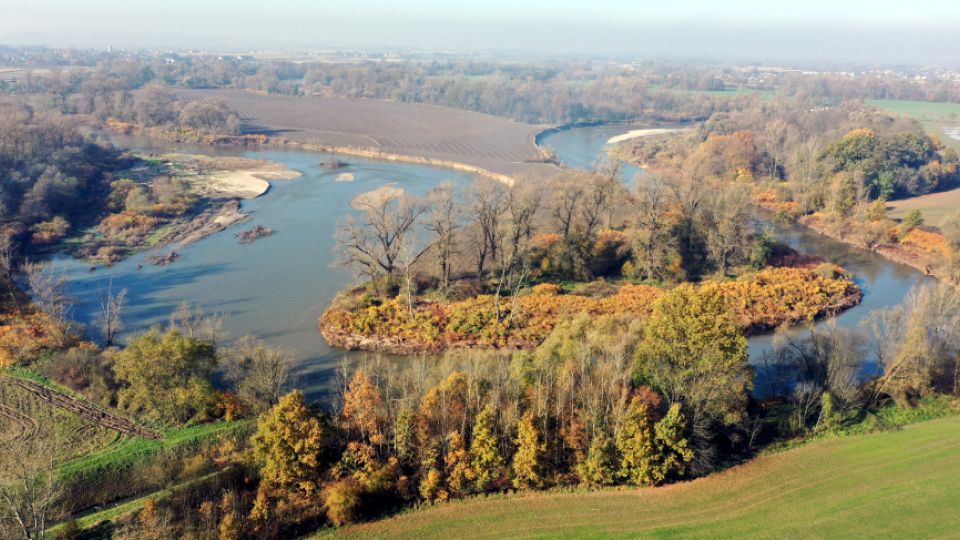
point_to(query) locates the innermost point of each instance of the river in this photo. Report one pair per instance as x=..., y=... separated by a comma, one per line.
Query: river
x=275, y=289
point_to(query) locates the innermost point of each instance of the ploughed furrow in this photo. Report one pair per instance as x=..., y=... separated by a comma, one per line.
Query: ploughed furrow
x=18, y=425
x=85, y=410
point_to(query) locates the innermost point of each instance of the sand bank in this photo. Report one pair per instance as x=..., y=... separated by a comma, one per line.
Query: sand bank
x=636, y=133
x=376, y=197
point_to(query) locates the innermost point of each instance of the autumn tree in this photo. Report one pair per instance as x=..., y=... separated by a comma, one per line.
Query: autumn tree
x=362, y=413
x=486, y=463
x=486, y=202
x=166, y=376
x=110, y=316
x=636, y=442
x=291, y=448
x=599, y=467
x=693, y=354
x=528, y=461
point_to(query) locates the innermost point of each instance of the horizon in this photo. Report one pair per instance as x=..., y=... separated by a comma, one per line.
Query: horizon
x=744, y=31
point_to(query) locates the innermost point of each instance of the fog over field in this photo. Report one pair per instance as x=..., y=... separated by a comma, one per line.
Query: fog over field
x=818, y=31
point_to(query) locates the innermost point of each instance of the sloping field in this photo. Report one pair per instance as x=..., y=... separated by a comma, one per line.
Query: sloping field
x=411, y=129
x=901, y=484
x=935, y=207
x=24, y=415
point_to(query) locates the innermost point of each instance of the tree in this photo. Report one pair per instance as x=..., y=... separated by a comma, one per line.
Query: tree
x=486, y=200
x=727, y=217
x=155, y=105
x=637, y=445
x=456, y=465
x=672, y=445
x=257, y=373
x=528, y=459
x=291, y=448
x=486, y=463
x=110, y=317
x=362, y=409
x=166, y=376
x=443, y=221
x=30, y=490
x=374, y=242
x=8, y=266
x=693, y=354
x=50, y=295
x=651, y=226
x=599, y=468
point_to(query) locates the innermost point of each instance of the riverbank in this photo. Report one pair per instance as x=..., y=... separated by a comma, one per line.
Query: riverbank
x=173, y=199
x=921, y=249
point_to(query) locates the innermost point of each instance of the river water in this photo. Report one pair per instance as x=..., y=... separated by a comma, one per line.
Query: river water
x=276, y=288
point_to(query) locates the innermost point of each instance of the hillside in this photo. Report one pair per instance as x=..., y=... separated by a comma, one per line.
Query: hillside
x=893, y=484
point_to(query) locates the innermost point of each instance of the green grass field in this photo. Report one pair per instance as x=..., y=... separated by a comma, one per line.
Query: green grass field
x=934, y=116
x=898, y=484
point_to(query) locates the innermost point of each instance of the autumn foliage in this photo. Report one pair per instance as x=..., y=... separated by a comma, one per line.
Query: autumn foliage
x=759, y=300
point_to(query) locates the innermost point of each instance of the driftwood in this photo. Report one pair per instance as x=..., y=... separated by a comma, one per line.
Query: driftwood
x=334, y=164
x=85, y=410
x=256, y=233
x=163, y=260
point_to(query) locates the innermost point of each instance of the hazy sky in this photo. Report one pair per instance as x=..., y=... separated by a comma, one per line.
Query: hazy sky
x=817, y=30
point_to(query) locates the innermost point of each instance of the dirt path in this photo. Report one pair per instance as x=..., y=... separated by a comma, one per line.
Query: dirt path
x=85, y=410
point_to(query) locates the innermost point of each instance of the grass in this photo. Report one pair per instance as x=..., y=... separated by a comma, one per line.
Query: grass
x=134, y=450
x=26, y=416
x=934, y=116
x=892, y=484
x=934, y=207
x=127, y=507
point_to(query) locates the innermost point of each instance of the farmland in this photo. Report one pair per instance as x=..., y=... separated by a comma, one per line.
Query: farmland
x=935, y=207
x=429, y=131
x=936, y=117
x=894, y=484
x=23, y=414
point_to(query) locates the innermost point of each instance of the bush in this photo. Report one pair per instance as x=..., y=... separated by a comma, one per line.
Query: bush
x=343, y=500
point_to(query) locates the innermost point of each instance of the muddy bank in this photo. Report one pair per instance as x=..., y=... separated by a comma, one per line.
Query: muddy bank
x=898, y=253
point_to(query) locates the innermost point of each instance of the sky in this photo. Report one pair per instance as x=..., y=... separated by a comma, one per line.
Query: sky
x=877, y=31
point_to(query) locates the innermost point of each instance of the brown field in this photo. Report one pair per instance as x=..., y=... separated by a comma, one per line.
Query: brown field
x=409, y=129
x=935, y=207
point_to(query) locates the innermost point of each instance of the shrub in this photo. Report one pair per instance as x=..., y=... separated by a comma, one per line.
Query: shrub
x=343, y=500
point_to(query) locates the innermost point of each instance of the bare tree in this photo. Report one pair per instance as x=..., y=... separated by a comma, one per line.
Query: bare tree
x=50, y=296
x=257, y=373
x=30, y=493
x=727, y=217
x=373, y=242
x=193, y=322
x=487, y=205
x=443, y=221
x=568, y=193
x=8, y=266
x=601, y=191
x=110, y=317
x=650, y=201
